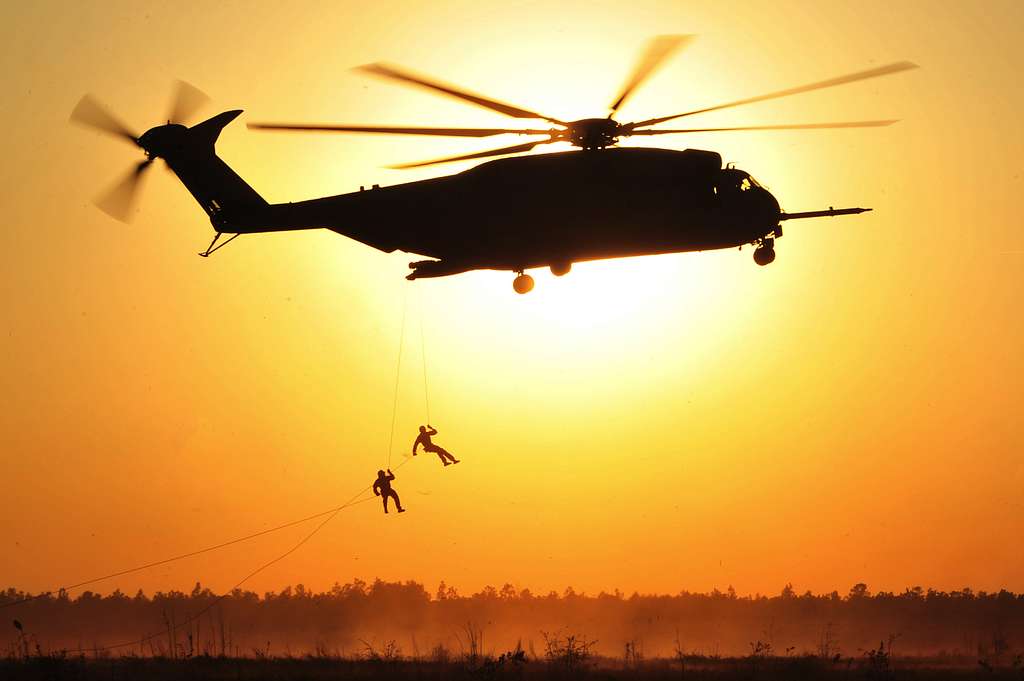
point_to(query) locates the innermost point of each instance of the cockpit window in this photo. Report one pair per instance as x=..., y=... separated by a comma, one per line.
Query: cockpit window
x=748, y=183
x=734, y=179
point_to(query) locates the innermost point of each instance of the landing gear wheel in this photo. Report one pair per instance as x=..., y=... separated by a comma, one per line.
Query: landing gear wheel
x=764, y=256
x=560, y=269
x=523, y=283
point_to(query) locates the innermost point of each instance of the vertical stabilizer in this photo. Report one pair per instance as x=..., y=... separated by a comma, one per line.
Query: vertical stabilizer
x=219, y=190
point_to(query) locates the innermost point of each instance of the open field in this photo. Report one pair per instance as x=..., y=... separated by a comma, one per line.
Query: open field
x=404, y=621
x=400, y=631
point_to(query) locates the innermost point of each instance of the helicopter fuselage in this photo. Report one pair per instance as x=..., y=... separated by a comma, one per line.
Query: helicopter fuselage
x=544, y=210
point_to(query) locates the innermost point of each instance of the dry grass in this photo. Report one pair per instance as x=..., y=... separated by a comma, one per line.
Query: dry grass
x=514, y=665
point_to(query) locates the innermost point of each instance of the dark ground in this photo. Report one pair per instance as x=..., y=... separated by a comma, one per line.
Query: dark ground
x=510, y=667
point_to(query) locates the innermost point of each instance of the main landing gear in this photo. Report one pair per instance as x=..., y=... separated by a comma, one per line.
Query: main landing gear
x=560, y=269
x=523, y=283
x=764, y=254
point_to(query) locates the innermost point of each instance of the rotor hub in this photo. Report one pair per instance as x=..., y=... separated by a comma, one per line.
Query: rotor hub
x=162, y=140
x=159, y=142
x=594, y=133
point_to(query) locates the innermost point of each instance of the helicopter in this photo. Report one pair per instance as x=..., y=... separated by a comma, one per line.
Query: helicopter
x=515, y=213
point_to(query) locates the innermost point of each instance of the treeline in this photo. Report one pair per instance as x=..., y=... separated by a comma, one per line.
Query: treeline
x=404, y=619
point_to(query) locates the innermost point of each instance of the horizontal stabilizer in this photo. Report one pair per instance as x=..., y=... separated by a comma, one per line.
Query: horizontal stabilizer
x=207, y=132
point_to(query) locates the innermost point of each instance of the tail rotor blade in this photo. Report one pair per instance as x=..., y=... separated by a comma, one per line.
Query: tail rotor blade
x=92, y=114
x=187, y=100
x=658, y=50
x=119, y=201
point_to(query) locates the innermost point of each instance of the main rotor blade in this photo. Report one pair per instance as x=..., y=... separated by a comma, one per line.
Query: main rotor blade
x=186, y=101
x=387, y=71
x=792, y=126
x=443, y=132
x=92, y=114
x=119, y=201
x=517, y=149
x=832, y=82
x=658, y=50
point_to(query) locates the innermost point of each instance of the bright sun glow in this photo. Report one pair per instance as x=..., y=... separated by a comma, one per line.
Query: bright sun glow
x=612, y=298
x=653, y=423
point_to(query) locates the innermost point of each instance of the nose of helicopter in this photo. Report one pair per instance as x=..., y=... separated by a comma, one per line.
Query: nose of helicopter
x=764, y=207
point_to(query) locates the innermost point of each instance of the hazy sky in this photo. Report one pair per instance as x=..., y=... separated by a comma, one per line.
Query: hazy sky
x=850, y=413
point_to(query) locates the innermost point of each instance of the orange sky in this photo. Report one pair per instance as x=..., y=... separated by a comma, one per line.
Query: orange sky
x=849, y=413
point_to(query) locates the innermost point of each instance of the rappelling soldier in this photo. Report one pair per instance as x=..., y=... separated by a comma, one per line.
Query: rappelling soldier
x=382, y=488
x=424, y=439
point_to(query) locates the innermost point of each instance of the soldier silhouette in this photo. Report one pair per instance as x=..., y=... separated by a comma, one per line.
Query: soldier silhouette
x=424, y=439
x=382, y=488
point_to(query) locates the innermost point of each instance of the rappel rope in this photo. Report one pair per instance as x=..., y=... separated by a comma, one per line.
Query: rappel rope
x=181, y=556
x=217, y=601
x=355, y=500
x=398, y=375
x=423, y=355
x=398, y=369
x=330, y=513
